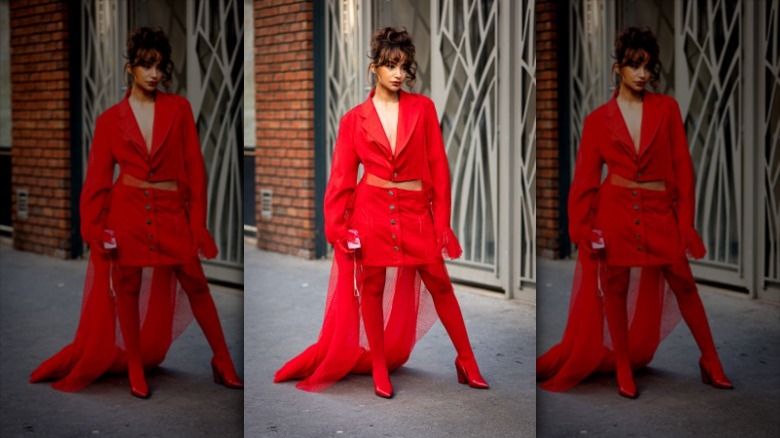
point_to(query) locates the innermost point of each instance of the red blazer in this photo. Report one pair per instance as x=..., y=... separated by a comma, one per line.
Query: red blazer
x=663, y=156
x=420, y=155
x=152, y=226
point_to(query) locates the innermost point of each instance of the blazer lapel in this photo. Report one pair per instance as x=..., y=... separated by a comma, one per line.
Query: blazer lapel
x=372, y=125
x=164, y=115
x=408, y=114
x=617, y=126
x=129, y=125
x=652, y=115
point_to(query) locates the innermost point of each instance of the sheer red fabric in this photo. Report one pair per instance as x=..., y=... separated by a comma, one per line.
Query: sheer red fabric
x=342, y=346
x=97, y=347
x=586, y=347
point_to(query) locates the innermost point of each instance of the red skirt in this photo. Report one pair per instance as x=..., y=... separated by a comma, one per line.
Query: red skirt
x=639, y=226
x=395, y=226
x=151, y=226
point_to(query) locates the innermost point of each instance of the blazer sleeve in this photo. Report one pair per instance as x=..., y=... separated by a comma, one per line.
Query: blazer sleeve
x=441, y=199
x=195, y=168
x=682, y=167
x=96, y=192
x=585, y=185
x=342, y=182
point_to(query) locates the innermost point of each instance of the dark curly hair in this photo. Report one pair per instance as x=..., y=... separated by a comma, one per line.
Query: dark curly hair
x=391, y=45
x=147, y=46
x=635, y=46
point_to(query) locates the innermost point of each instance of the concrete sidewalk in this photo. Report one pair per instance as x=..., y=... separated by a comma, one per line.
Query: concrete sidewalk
x=284, y=304
x=40, y=302
x=672, y=402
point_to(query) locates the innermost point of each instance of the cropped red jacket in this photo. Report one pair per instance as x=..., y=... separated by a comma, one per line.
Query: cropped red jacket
x=640, y=226
x=420, y=155
x=152, y=226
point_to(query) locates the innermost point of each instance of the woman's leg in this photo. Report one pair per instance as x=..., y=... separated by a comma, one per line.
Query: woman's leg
x=193, y=281
x=615, y=297
x=437, y=281
x=374, y=323
x=129, y=323
x=682, y=283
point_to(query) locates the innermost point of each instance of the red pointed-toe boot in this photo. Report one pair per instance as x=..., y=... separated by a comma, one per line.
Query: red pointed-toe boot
x=373, y=322
x=194, y=283
x=129, y=323
x=468, y=373
x=683, y=285
x=615, y=298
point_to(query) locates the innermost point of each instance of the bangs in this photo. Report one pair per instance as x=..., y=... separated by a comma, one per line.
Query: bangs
x=147, y=56
x=637, y=56
x=392, y=55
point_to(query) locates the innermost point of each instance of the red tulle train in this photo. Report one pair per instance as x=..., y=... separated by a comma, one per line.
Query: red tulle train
x=586, y=347
x=98, y=348
x=342, y=346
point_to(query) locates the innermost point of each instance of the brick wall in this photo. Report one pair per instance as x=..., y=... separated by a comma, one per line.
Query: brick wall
x=548, y=208
x=284, y=97
x=40, y=95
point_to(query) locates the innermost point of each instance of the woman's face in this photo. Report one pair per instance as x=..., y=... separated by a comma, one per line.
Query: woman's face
x=635, y=75
x=147, y=75
x=391, y=76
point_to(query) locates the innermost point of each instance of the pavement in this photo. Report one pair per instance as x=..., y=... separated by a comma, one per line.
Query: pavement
x=672, y=400
x=284, y=305
x=40, y=302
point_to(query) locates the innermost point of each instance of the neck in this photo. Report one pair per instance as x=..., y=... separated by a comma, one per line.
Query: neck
x=140, y=95
x=628, y=95
x=385, y=96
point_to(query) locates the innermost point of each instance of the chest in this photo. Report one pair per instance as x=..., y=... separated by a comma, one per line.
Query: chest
x=388, y=116
x=632, y=117
x=144, y=117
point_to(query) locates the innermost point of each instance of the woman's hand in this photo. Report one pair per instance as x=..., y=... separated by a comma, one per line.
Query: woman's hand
x=694, y=246
x=105, y=245
x=204, y=244
x=594, y=245
x=448, y=243
x=350, y=244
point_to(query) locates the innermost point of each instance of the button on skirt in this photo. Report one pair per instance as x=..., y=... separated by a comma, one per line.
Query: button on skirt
x=151, y=226
x=639, y=226
x=395, y=226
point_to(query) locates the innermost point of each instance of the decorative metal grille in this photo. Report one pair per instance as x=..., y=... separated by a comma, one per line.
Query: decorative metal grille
x=770, y=136
x=591, y=33
x=104, y=26
x=709, y=88
x=215, y=86
x=345, y=63
x=525, y=164
x=464, y=56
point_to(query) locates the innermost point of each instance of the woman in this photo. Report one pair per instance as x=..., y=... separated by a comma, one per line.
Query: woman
x=642, y=217
x=389, y=232
x=153, y=217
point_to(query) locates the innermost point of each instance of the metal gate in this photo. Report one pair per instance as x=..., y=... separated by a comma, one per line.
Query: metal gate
x=207, y=42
